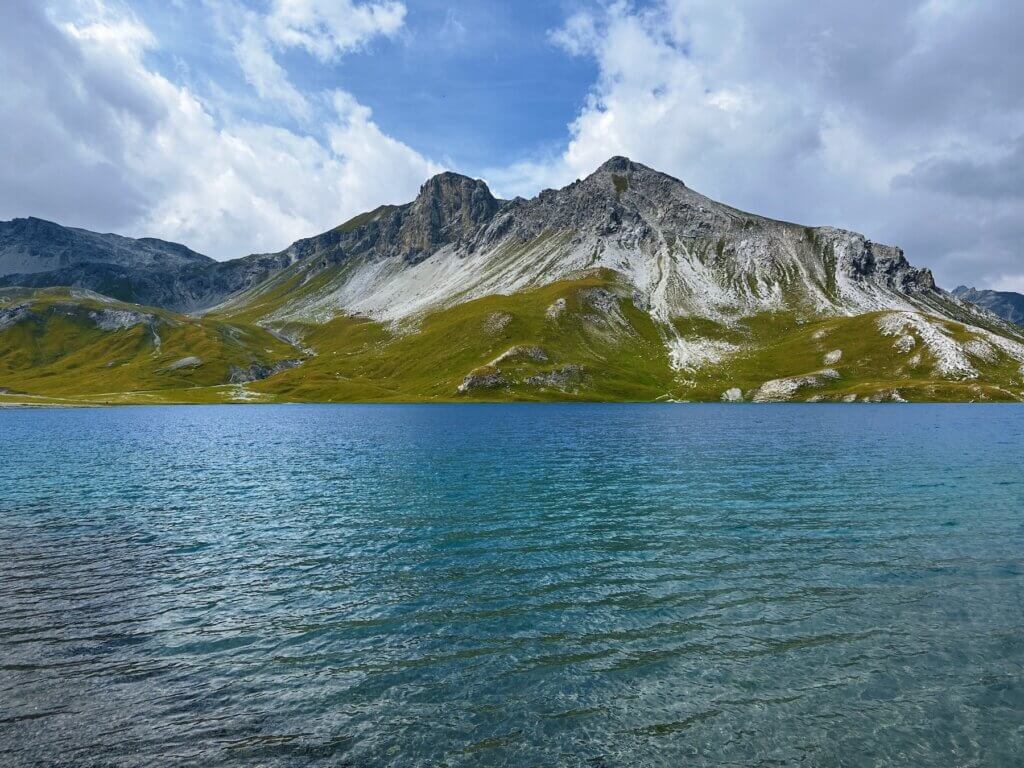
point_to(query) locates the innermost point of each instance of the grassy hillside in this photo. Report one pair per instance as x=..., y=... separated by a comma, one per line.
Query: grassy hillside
x=560, y=342
x=580, y=339
x=74, y=346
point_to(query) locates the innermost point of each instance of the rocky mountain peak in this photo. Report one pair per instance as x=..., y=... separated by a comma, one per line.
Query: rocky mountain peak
x=453, y=191
x=449, y=208
x=617, y=164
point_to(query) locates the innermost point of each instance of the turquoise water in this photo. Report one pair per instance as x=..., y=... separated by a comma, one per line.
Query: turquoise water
x=512, y=585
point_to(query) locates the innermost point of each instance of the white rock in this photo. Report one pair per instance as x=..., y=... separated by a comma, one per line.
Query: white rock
x=185, y=362
x=783, y=389
x=981, y=350
x=905, y=343
x=555, y=310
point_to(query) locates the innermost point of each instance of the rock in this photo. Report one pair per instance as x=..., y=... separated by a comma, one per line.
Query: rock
x=496, y=322
x=981, y=350
x=732, y=395
x=257, y=372
x=833, y=357
x=520, y=352
x=777, y=390
x=448, y=208
x=185, y=362
x=119, y=319
x=482, y=378
x=13, y=315
x=560, y=378
x=905, y=343
x=602, y=300
x=555, y=310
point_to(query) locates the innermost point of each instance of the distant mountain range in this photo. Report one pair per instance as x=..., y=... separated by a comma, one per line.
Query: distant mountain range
x=38, y=253
x=626, y=285
x=1005, y=304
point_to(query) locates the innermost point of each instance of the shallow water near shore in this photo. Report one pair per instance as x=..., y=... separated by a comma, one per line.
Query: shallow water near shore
x=599, y=585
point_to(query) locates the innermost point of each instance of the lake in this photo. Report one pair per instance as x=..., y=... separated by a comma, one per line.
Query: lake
x=520, y=585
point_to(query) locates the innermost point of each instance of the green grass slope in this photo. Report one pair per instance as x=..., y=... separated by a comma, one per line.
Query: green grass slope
x=580, y=339
x=68, y=346
x=571, y=340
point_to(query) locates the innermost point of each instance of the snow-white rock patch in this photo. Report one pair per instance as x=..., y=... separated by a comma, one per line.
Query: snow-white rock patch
x=905, y=343
x=185, y=362
x=833, y=357
x=555, y=310
x=732, y=395
x=951, y=361
x=981, y=350
x=694, y=352
x=776, y=390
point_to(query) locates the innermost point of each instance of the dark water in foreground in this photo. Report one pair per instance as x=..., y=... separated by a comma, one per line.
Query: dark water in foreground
x=512, y=585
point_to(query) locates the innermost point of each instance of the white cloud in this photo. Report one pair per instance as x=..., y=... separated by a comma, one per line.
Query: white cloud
x=328, y=28
x=886, y=117
x=103, y=141
x=265, y=75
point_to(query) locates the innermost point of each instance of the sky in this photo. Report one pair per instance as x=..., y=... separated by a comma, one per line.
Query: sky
x=238, y=126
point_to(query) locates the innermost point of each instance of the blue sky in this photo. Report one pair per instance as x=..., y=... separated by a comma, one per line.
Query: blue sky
x=472, y=82
x=238, y=126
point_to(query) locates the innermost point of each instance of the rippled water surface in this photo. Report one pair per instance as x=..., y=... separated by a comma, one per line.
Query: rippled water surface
x=512, y=585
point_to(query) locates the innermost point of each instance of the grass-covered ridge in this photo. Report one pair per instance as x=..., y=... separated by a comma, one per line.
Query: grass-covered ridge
x=69, y=345
x=576, y=339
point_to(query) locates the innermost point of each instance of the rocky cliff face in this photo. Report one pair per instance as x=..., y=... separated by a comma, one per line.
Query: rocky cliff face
x=682, y=253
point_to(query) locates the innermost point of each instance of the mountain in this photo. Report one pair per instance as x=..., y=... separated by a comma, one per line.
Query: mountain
x=38, y=253
x=626, y=285
x=1005, y=304
x=29, y=246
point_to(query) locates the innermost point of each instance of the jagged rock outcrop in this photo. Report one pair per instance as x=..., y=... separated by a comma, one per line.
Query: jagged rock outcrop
x=258, y=372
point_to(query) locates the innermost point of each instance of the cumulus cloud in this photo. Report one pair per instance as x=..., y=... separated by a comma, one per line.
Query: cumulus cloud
x=899, y=119
x=96, y=138
x=328, y=28
x=325, y=29
x=265, y=75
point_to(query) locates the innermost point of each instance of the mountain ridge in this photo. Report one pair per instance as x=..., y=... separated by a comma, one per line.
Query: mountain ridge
x=625, y=284
x=1006, y=304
